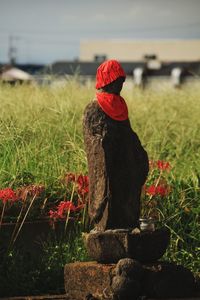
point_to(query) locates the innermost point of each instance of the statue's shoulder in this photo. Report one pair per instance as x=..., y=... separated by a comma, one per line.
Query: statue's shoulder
x=93, y=112
x=92, y=107
x=94, y=119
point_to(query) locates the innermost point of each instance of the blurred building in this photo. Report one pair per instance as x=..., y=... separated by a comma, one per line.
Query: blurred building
x=13, y=75
x=139, y=50
x=173, y=61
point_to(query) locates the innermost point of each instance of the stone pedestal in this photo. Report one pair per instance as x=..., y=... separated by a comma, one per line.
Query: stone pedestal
x=127, y=267
x=127, y=280
x=112, y=245
x=85, y=278
x=168, y=280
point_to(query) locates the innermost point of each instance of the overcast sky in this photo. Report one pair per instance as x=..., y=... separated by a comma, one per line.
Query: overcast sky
x=43, y=31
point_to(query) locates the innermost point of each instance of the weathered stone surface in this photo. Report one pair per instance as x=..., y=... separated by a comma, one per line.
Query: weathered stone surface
x=160, y=280
x=43, y=297
x=82, y=279
x=126, y=284
x=167, y=280
x=149, y=246
x=129, y=268
x=118, y=167
x=90, y=297
x=107, y=247
x=125, y=288
x=110, y=246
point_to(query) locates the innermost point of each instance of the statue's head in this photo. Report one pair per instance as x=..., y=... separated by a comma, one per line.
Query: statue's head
x=110, y=77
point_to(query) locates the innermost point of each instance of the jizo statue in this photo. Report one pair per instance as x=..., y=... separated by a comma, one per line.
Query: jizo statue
x=117, y=162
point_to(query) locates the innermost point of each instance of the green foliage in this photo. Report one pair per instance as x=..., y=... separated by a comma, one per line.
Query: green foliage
x=30, y=273
x=40, y=132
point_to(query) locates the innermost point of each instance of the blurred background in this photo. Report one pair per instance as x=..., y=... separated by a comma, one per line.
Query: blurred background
x=151, y=38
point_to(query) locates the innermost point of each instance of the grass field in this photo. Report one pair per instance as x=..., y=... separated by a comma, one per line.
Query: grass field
x=41, y=134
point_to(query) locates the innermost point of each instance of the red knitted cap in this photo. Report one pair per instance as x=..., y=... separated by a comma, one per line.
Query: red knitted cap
x=107, y=72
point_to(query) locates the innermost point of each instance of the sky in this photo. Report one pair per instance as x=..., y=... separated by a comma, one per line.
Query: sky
x=45, y=31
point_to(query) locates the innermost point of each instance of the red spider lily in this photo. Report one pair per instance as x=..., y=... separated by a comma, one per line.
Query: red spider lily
x=151, y=190
x=160, y=190
x=81, y=181
x=53, y=214
x=163, y=165
x=8, y=194
x=30, y=190
x=64, y=207
x=163, y=190
x=159, y=164
x=83, y=184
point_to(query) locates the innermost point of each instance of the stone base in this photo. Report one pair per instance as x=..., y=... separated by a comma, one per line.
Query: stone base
x=168, y=280
x=84, y=278
x=128, y=279
x=112, y=245
x=43, y=297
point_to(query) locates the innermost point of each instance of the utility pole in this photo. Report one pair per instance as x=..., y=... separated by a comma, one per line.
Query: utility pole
x=12, y=50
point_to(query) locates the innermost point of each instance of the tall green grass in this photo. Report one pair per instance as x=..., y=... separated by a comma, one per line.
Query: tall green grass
x=41, y=134
x=40, y=131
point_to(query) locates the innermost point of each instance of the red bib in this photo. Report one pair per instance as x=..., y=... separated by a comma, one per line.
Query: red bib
x=113, y=105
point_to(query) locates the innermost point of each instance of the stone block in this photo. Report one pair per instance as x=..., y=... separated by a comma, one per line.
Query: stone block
x=84, y=278
x=111, y=246
x=127, y=280
x=168, y=280
x=108, y=246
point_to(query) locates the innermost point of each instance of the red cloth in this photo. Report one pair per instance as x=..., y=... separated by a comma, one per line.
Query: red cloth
x=113, y=105
x=107, y=72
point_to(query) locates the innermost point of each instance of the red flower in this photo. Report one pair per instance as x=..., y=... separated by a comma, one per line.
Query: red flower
x=64, y=207
x=53, y=214
x=83, y=184
x=160, y=190
x=30, y=190
x=151, y=190
x=159, y=164
x=163, y=165
x=7, y=194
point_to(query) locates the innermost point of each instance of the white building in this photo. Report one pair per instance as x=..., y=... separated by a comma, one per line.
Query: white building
x=138, y=50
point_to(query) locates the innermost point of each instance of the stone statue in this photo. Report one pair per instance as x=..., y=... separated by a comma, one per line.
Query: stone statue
x=117, y=162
